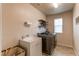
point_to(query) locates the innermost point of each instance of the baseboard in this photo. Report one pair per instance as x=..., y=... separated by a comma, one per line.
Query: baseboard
x=65, y=45
x=75, y=51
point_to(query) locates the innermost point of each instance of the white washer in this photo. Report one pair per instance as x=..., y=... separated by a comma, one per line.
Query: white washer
x=33, y=46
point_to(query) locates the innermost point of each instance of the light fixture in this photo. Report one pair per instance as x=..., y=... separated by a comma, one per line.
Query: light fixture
x=55, y=5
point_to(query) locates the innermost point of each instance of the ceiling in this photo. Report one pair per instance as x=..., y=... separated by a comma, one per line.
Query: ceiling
x=48, y=8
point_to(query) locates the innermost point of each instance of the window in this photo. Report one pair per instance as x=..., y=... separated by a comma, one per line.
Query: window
x=58, y=25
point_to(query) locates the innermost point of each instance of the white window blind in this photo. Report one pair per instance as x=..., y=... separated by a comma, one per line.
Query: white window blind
x=58, y=24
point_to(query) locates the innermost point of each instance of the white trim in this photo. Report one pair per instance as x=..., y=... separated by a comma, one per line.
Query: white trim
x=64, y=45
x=76, y=52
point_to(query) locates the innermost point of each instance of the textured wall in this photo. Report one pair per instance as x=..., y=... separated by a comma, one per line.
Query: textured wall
x=0, y=28
x=14, y=16
x=64, y=38
x=76, y=28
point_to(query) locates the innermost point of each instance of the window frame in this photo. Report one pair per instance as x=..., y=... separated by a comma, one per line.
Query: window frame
x=58, y=25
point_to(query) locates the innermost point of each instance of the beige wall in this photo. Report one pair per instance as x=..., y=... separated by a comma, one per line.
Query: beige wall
x=76, y=29
x=64, y=38
x=0, y=28
x=14, y=16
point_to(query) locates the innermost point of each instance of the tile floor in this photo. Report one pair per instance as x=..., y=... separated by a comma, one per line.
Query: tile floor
x=62, y=51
